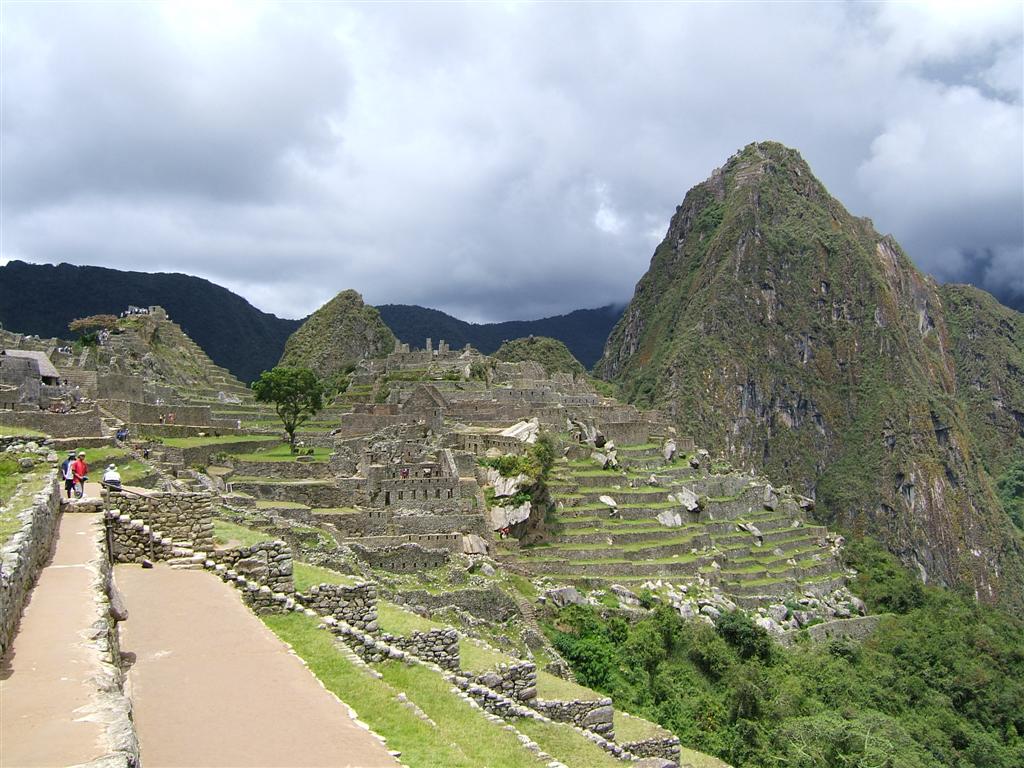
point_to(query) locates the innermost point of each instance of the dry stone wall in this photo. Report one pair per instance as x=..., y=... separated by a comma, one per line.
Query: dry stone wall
x=356, y=605
x=76, y=424
x=25, y=554
x=268, y=562
x=438, y=646
x=185, y=517
x=132, y=541
x=596, y=715
x=517, y=681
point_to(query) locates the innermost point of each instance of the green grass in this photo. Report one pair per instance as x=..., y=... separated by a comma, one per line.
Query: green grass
x=225, y=532
x=630, y=728
x=307, y=575
x=6, y=431
x=463, y=738
x=474, y=658
x=267, y=504
x=554, y=688
x=131, y=470
x=398, y=621
x=568, y=745
x=282, y=453
x=16, y=492
x=193, y=442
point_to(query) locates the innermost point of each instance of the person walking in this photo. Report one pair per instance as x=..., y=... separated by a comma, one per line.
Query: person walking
x=67, y=474
x=80, y=470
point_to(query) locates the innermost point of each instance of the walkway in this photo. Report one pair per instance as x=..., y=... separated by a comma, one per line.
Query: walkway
x=212, y=686
x=45, y=683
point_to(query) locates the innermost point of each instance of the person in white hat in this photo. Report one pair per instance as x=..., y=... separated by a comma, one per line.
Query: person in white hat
x=112, y=478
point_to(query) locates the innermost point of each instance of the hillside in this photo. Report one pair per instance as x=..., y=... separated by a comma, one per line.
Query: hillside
x=793, y=337
x=42, y=299
x=336, y=336
x=584, y=331
x=551, y=353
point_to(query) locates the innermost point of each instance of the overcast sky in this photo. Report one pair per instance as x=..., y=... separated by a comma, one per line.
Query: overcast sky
x=496, y=161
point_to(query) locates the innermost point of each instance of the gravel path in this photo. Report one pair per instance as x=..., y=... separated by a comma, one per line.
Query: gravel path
x=212, y=686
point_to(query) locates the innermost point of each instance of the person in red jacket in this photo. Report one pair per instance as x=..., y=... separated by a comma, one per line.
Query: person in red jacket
x=80, y=470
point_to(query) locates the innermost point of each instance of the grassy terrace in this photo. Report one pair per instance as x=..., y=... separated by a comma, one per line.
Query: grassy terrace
x=195, y=442
x=630, y=728
x=307, y=575
x=282, y=453
x=228, y=534
x=16, y=492
x=132, y=470
x=398, y=621
x=462, y=738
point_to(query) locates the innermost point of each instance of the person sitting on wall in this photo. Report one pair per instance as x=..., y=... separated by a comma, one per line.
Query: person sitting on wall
x=112, y=478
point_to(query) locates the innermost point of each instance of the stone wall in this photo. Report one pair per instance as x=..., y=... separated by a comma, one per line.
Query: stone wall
x=24, y=555
x=182, y=516
x=403, y=558
x=858, y=628
x=132, y=541
x=491, y=604
x=438, y=646
x=267, y=562
x=318, y=494
x=283, y=470
x=517, y=681
x=75, y=424
x=666, y=747
x=189, y=430
x=596, y=715
x=356, y=605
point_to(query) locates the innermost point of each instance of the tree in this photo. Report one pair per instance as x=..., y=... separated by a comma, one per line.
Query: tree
x=296, y=394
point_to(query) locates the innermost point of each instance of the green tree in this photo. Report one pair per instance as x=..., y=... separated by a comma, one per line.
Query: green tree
x=296, y=394
x=1010, y=488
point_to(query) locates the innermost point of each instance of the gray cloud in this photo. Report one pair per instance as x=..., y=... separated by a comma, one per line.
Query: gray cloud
x=495, y=161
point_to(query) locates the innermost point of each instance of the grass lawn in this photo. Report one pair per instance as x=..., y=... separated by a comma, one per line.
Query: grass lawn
x=463, y=738
x=192, y=442
x=554, y=688
x=16, y=492
x=268, y=504
x=282, y=453
x=225, y=533
x=6, y=431
x=307, y=575
x=568, y=745
x=132, y=470
x=398, y=621
x=474, y=658
x=630, y=728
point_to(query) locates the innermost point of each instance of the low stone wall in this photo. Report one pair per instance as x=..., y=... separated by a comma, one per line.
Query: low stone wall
x=113, y=708
x=268, y=562
x=132, y=541
x=438, y=646
x=75, y=424
x=858, y=628
x=517, y=681
x=182, y=516
x=316, y=493
x=186, y=430
x=356, y=605
x=596, y=716
x=666, y=748
x=25, y=554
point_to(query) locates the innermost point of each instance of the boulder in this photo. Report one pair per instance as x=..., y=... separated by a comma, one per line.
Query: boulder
x=608, y=501
x=118, y=609
x=769, y=498
x=505, y=517
x=563, y=596
x=669, y=518
x=474, y=545
x=686, y=498
x=653, y=762
x=778, y=612
x=668, y=451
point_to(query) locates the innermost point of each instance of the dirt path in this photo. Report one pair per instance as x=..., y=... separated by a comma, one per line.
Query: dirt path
x=46, y=681
x=212, y=686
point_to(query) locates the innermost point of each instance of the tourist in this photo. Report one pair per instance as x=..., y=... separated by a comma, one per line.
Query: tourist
x=112, y=478
x=67, y=473
x=80, y=471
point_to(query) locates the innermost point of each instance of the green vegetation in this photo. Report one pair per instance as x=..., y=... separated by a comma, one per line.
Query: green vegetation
x=552, y=354
x=132, y=470
x=296, y=393
x=474, y=657
x=941, y=683
x=463, y=738
x=398, y=621
x=195, y=442
x=1010, y=488
x=16, y=491
x=571, y=747
x=226, y=533
x=307, y=575
x=336, y=336
x=284, y=453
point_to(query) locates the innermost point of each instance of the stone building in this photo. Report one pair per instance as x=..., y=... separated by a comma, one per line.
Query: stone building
x=32, y=373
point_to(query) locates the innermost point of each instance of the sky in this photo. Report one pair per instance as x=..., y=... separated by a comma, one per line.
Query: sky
x=496, y=161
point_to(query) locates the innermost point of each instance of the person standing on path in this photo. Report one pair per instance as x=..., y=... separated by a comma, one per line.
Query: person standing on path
x=80, y=470
x=67, y=474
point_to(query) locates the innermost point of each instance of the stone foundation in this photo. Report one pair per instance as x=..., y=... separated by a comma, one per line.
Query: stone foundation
x=269, y=563
x=355, y=605
x=438, y=646
x=186, y=517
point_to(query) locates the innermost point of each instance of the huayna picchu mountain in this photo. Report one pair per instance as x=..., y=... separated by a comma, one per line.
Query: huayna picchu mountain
x=790, y=335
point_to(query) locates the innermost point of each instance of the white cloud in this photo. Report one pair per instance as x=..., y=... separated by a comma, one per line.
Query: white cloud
x=447, y=154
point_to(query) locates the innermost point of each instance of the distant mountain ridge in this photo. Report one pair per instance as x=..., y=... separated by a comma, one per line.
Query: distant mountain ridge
x=584, y=331
x=43, y=298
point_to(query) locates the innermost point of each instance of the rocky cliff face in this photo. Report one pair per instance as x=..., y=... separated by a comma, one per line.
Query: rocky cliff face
x=790, y=335
x=337, y=335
